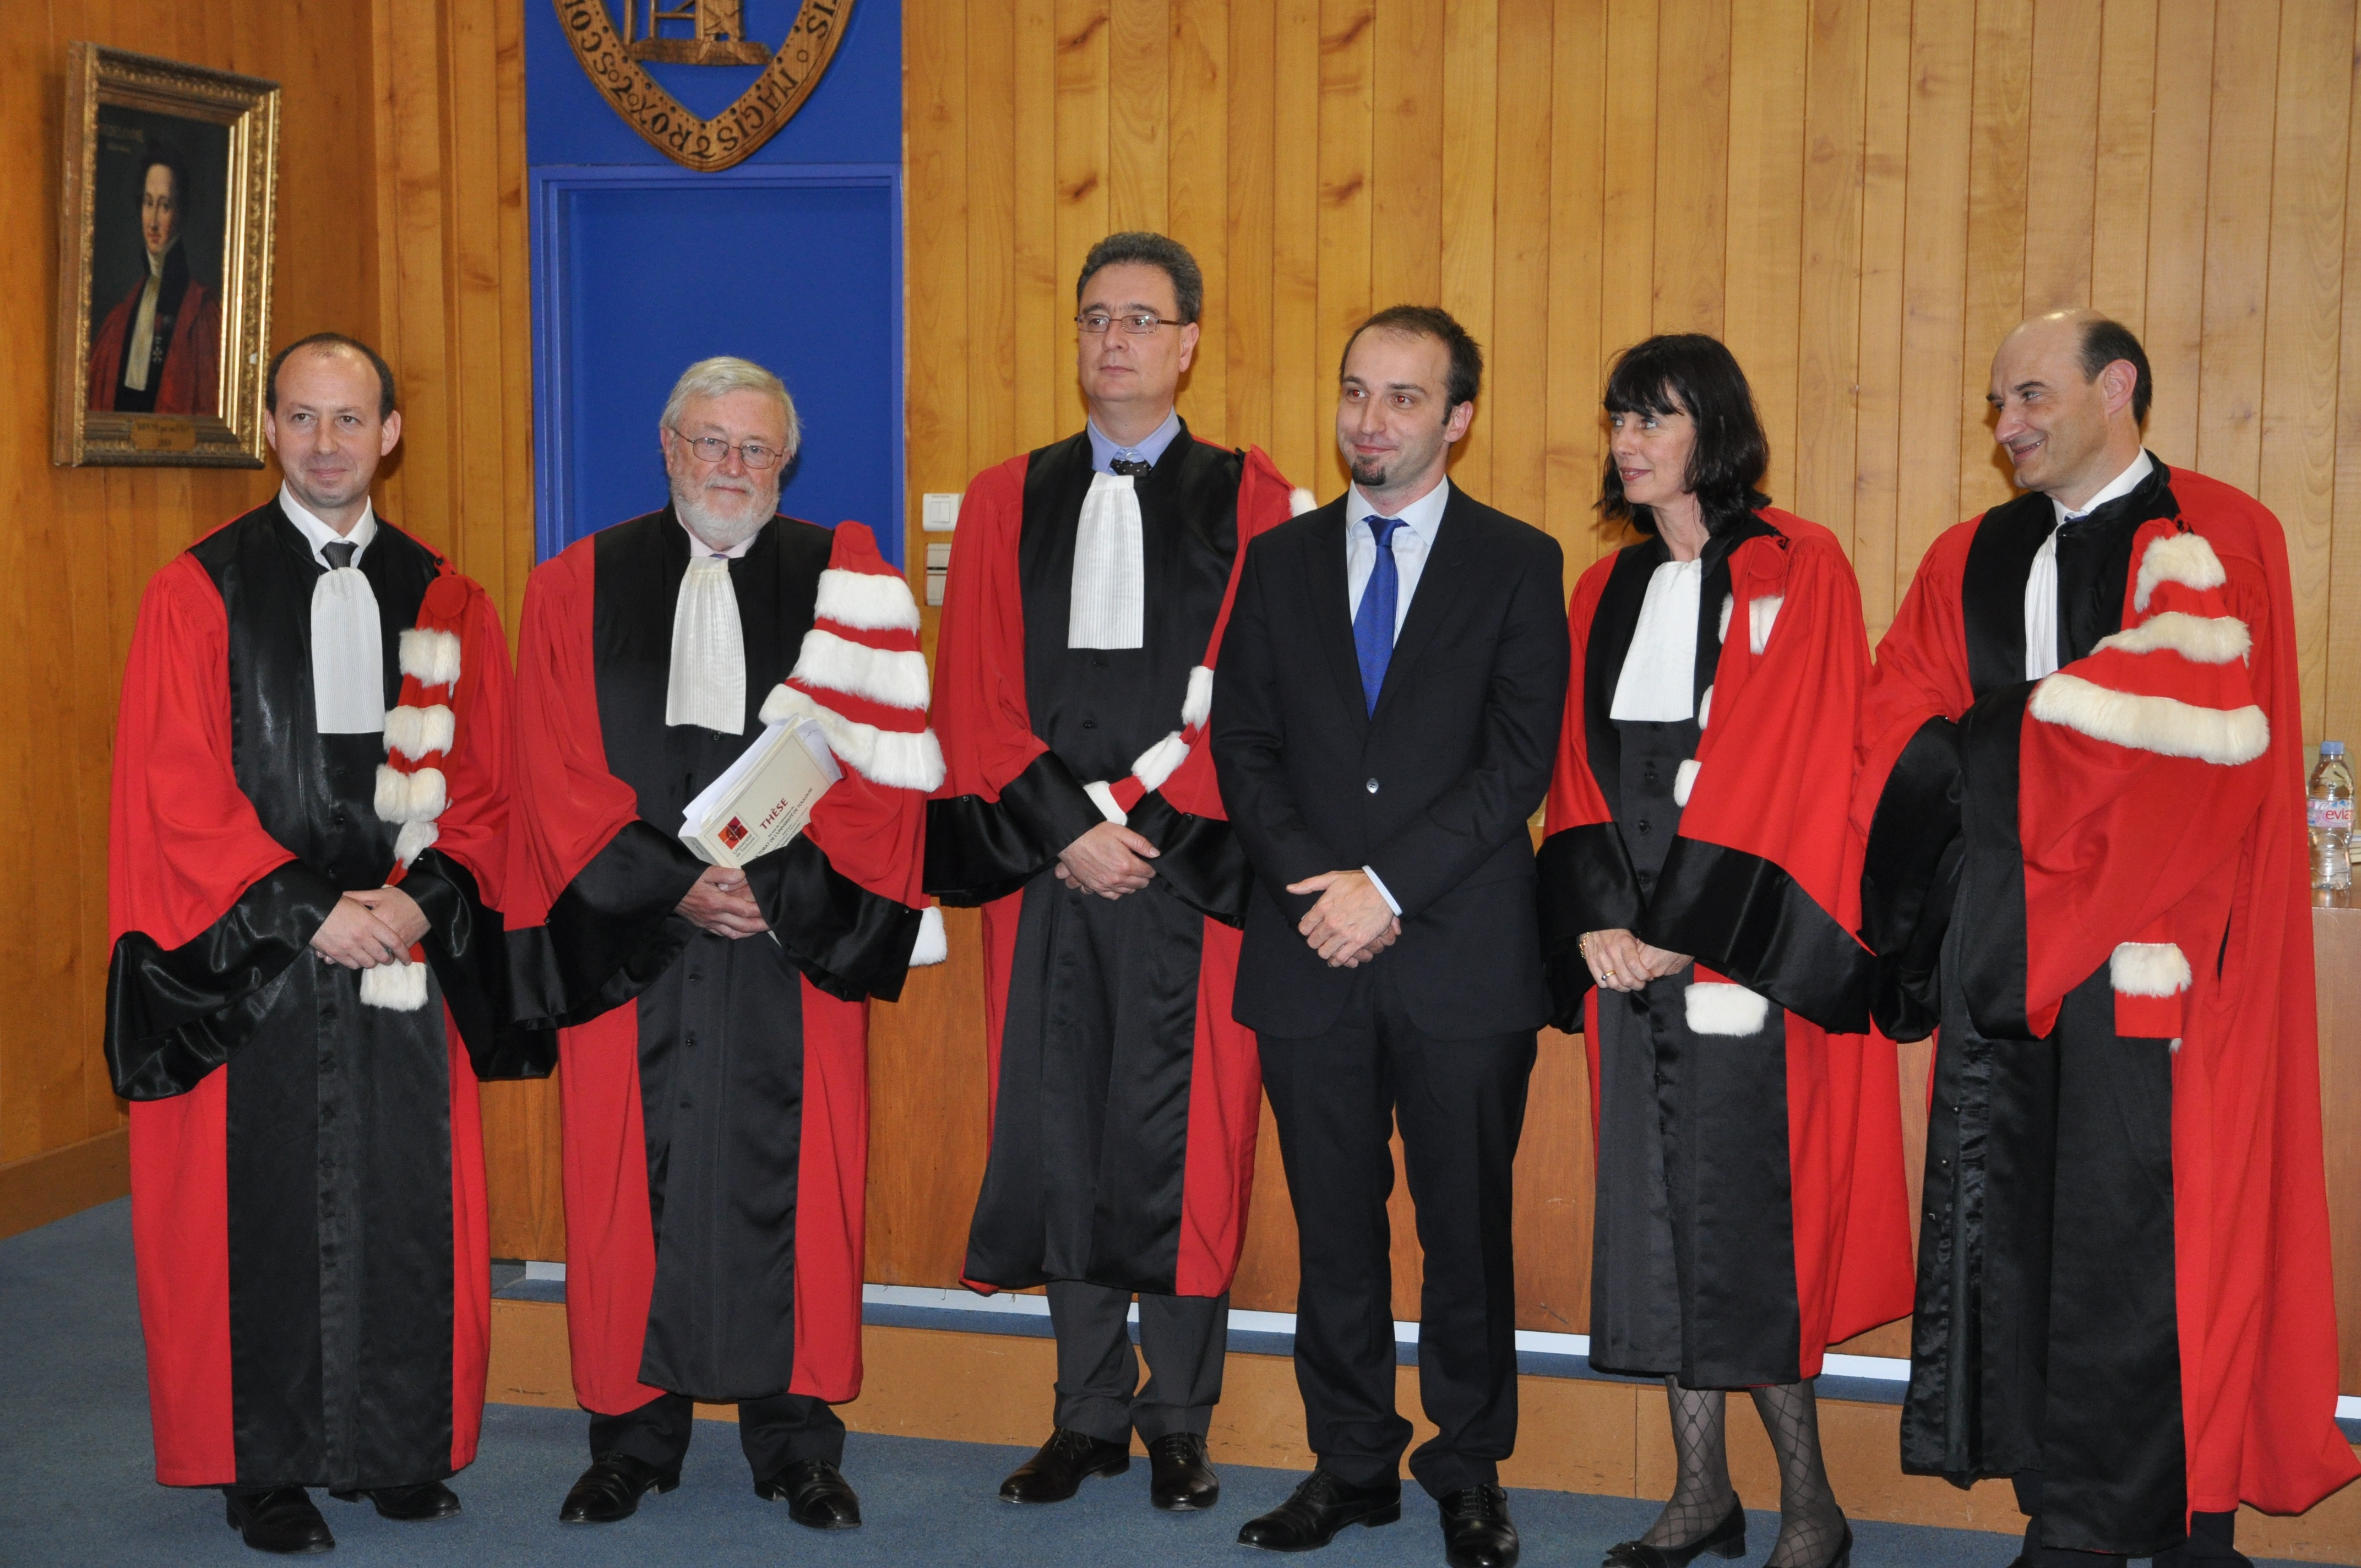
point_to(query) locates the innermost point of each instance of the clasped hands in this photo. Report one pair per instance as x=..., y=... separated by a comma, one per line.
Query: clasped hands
x=1109, y=860
x=1621, y=962
x=1352, y=923
x=720, y=901
x=376, y=926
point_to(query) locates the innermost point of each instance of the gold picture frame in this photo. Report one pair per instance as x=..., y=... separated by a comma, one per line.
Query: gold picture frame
x=166, y=216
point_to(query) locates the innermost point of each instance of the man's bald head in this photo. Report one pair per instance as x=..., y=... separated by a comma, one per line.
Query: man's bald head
x=2069, y=388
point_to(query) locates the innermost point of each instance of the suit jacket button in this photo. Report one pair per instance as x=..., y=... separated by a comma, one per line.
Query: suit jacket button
x=1373, y=786
x=1642, y=824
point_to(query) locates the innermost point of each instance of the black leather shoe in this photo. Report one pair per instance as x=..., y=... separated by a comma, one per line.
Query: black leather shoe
x=1063, y=1464
x=409, y=1505
x=281, y=1520
x=611, y=1489
x=1475, y=1529
x=1727, y=1538
x=1183, y=1482
x=1321, y=1505
x=817, y=1495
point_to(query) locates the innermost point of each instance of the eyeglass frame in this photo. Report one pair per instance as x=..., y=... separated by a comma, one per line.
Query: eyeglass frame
x=697, y=443
x=1126, y=317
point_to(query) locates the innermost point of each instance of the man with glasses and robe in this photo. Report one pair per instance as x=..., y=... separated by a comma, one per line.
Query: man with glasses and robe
x=1087, y=589
x=713, y=1021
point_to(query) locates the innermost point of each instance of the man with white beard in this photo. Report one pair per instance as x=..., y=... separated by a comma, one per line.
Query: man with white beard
x=715, y=1091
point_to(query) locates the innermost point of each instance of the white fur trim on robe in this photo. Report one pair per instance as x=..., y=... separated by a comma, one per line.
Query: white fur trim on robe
x=868, y=600
x=1717, y=1007
x=431, y=658
x=1705, y=709
x=2200, y=639
x=1762, y=615
x=2148, y=969
x=934, y=944
x=1683, y=782
x=896, y=678
x=1301, y=500
x=2183, y=558
x=1198, y=706
x=413, y=839
x=2164, y=724
x=410, y=797
x=1103, y=797
x=1157, y=763
x=418, y=732
x=901, y=759
x=398, y=987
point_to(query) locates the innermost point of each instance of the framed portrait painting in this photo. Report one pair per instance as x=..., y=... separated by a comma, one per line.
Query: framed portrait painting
x=166, y=212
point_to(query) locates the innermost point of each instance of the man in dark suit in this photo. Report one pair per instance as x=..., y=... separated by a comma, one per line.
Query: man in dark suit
x=1390, y=690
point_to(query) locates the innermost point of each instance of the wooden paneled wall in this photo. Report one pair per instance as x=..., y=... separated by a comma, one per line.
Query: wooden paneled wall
x=401, y=222
x=454, y=312
x=80, y=544
x=1860, y=196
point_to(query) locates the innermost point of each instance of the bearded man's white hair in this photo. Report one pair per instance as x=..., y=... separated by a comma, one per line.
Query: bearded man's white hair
x=724, y=374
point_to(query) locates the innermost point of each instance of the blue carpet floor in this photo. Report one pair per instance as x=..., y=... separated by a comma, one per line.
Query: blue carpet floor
x=73, y=1402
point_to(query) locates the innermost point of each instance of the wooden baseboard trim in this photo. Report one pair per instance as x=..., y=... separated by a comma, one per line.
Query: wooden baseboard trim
x=61, y=1181
x=1575, y=1434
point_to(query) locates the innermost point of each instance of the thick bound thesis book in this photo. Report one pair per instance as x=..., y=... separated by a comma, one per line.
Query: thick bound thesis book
x=763, y=798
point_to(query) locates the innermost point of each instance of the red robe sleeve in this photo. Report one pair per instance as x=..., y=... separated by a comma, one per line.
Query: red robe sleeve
x=1761, y=883
x=1905, y=803
x=205, y=909
x=185, y=841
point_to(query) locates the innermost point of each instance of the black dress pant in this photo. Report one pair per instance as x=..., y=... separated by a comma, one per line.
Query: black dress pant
x=775, y=1432
x=1460, y=1105
x=1099, y=1392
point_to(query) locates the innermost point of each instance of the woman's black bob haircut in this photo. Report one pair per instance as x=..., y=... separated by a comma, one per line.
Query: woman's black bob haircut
x=1692, y=374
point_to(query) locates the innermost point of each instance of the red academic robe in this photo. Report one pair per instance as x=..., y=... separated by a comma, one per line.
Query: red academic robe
x=2126, y=841
x=979, y=852
x=232, y=1040
x=593, y=657
x=1758, y=884
x=192, y=370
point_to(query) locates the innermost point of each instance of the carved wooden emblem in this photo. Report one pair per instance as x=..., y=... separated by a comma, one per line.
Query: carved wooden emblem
x=654, y=30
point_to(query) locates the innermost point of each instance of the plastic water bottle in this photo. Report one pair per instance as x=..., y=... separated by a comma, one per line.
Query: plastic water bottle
x=2329, y=810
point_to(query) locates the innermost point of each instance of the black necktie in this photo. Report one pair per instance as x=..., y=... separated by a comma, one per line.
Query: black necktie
x=340, y=554
x=1128, y=465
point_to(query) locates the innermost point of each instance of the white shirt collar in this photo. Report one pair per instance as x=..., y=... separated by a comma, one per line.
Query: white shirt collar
x=699, y=549
x=317, y=534
x=1422, y=517
x=2123, y=484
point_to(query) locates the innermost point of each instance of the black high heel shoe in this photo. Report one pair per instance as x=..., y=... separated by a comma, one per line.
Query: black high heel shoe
x=1727, y=1538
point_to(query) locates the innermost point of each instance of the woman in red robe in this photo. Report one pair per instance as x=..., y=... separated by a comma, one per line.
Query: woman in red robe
x=1698, y=931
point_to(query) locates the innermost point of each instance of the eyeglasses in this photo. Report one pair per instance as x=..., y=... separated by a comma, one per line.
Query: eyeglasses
x=713, y=449
x=1139, y=323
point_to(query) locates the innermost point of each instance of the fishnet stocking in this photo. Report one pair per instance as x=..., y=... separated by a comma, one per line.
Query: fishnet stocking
x=1810, y=1523
x=1701, y=1493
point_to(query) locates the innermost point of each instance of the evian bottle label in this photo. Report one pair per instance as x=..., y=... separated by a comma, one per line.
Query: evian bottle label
x=2335, y=815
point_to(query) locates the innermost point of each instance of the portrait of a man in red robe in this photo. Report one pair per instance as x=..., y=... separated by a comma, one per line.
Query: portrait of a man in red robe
x=158, y=348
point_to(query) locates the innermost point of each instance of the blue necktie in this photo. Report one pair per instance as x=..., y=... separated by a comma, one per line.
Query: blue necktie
x=1373, y=624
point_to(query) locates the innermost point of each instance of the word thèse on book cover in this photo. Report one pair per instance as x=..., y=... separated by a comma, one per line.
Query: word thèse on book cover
x=765, y=798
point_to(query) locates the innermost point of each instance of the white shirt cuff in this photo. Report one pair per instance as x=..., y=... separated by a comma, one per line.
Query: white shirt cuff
x=1379, y=883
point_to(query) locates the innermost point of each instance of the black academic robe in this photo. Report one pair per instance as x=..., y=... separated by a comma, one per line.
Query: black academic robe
x=715, y=1090
x=1125, y=1097
x=1751, y=1203
x=2093, y=883
x=306, y=1170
